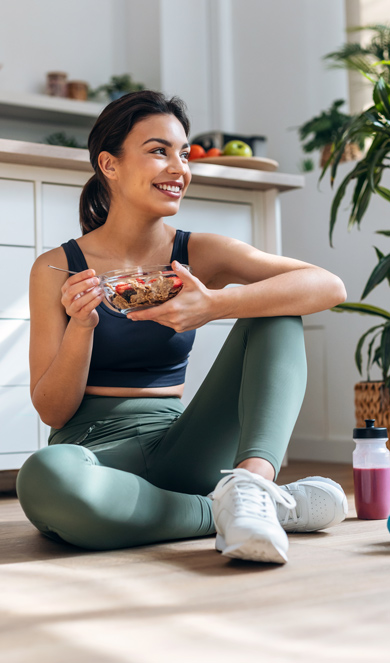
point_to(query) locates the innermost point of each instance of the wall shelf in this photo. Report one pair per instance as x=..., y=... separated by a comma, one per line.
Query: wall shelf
x=42, y=107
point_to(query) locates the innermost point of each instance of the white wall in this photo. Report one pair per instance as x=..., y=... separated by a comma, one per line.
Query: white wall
x=80, y=38
x=279, y=78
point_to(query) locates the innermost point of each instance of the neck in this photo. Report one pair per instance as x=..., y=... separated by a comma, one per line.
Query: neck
x=128, y=235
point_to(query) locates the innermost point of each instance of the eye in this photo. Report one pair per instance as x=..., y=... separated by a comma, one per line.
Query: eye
x=185, y=155
x=159, y=150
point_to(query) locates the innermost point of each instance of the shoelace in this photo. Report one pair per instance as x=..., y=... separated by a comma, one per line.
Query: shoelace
x=291, y=514
x=250, y=497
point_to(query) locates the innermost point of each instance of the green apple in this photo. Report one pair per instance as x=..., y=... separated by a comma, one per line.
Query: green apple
x=236, y=148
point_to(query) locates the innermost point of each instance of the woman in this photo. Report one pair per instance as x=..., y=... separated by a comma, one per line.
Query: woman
x=126, y=465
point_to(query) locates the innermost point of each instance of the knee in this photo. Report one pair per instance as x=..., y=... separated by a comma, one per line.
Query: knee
x=46, y=476
x=283, y=326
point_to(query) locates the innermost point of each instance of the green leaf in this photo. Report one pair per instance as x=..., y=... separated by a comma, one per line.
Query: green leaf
x=378, y=274
x=385, y=350
x=376, y=162
x=381, y=255
x=364, y=309
x=381, y=96
x=363, y=204
x=369, y=353
x=340, y=193
x=385, y=193
x=383, y=232
x=358, y=352
x=377, y=357
x=356, y=197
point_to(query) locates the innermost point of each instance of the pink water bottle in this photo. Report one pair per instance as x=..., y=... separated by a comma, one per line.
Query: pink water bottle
x=371, y=472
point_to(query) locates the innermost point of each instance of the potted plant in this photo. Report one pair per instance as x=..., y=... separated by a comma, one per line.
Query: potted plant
x=117, y=87
x=372, y=58
x=371, y=398
x=61, y=138
x=323, y=131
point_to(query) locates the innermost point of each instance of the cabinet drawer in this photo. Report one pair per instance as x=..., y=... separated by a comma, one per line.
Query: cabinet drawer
x=16, y=212
x=60, y=211
x=213, y=216
x=14, y=342
x=18, y=421
x=15, y=267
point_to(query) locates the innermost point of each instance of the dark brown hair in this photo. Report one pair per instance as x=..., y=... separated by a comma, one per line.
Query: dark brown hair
x=108, y=134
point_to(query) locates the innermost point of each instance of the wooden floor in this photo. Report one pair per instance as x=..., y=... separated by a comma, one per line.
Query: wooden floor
x=184, y=603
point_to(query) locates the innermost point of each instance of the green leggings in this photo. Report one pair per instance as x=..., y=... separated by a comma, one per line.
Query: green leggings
x=124, y=472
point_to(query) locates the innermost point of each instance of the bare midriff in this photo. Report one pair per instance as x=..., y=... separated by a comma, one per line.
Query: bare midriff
x=137, y=392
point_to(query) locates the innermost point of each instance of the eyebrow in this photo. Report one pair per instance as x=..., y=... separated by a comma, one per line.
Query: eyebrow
x=164, y=142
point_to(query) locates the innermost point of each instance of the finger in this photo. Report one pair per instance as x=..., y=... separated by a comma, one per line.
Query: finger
x=154, y=313
x=183, y=272
x=80, y=302
x=81, y=276
x=149, y=314
x=92, y=305
x=80, y=288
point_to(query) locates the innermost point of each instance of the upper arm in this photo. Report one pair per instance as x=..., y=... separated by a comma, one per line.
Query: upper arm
x=48, y=318
x=217, y=261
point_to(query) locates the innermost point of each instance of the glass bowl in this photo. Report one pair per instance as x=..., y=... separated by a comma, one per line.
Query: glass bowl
x=140, y=287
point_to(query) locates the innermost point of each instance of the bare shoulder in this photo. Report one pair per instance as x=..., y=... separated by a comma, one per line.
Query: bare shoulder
x=54, y=257
x=46, y=283
x=211, y=245
x=211, y=254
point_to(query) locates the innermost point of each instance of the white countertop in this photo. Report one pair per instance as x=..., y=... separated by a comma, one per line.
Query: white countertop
x=69, y=158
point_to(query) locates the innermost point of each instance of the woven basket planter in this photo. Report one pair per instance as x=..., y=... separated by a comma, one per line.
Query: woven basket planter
x=372, y=401
x=351, y=153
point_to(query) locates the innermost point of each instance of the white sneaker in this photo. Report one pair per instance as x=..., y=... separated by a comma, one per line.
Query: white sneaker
x=320, y=502
x=244, y=511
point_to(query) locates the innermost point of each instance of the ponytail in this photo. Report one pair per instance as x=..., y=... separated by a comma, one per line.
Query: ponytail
x=94, y=205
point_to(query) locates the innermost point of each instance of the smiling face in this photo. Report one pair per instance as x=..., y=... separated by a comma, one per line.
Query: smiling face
x=153, y=174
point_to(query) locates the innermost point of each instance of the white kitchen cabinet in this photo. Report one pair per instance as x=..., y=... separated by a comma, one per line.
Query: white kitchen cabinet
x=18, y=428
x=15, y=267
x=215, y=216
x=16, y=212
x=60, y=214
x=14, y=341
x=41, y=197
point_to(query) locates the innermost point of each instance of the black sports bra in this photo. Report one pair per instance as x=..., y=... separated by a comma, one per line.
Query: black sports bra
x=127, y=353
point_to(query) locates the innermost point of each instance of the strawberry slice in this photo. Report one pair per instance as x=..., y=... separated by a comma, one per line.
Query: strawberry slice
x=140, y=280
x=176, y=282
x=120, y=288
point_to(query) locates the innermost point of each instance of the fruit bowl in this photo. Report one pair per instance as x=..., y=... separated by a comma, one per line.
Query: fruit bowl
x=140, y=287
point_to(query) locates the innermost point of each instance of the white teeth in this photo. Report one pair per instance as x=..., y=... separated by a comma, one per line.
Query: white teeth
x=168, y=187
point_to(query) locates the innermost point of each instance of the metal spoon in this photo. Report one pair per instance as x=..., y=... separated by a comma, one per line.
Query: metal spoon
x=63, y=270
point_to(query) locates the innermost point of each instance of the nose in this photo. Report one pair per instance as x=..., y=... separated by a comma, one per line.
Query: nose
x=177, y=165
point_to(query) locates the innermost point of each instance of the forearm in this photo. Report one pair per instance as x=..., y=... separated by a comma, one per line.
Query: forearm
x=299, y=292
x=59, y=392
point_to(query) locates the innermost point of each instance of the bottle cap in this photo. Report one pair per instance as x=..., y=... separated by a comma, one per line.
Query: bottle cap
x=370, y=431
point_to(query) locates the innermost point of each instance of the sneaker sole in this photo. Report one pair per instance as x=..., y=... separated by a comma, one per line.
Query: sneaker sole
x=253, y=550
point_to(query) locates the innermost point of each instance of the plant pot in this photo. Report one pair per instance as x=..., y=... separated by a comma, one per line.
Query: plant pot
x=372, y=401
x=351, y=153
x=117, y=94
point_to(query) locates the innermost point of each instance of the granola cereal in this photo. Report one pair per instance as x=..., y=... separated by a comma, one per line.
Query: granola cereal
x=143, y=291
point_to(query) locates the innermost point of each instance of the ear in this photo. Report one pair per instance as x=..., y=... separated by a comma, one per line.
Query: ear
x=107, y=165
